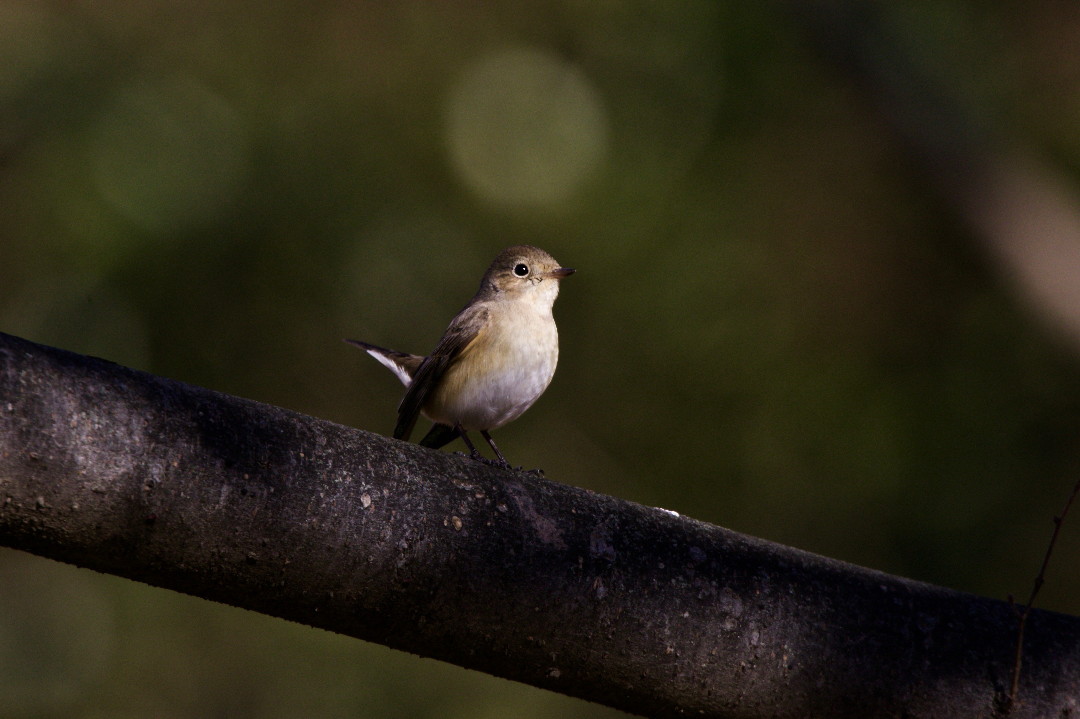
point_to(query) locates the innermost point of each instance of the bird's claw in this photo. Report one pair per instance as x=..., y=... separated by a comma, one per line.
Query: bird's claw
x=501, y=464
x=475, y=455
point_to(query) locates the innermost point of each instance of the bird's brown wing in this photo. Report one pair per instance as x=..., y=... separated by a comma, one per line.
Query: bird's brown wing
x=463, y=330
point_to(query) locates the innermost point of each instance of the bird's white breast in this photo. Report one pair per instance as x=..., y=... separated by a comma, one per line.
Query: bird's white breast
x=502, y=372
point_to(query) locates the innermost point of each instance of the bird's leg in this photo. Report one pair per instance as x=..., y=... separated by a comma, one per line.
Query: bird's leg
x=495, y=449
x=473, y=452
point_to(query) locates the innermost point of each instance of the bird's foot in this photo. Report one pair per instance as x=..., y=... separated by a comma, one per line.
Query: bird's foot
x=475, y=455
x=500, y=463
x=538, y=472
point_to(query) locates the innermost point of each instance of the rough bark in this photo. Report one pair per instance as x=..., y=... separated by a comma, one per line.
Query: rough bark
x=512, y=574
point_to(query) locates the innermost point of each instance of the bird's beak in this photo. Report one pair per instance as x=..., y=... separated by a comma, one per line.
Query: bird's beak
x=560, y=272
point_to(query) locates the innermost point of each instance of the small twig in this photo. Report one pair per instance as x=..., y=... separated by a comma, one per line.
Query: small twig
x=1040, y=579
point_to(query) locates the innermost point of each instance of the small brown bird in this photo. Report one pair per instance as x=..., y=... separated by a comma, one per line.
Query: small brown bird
x=495, y=359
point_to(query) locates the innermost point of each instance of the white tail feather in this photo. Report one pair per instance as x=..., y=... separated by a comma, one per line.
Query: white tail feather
x=392, y=366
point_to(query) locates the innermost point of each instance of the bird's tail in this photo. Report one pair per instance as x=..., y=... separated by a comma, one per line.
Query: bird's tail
x=402, y=364
x=439, y=435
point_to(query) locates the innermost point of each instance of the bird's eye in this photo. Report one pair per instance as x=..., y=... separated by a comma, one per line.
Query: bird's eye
x=521, y=269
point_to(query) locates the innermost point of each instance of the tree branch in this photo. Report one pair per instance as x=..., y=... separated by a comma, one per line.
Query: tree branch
x=514, y=575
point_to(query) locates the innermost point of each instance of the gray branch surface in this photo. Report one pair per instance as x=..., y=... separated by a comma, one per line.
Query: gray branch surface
x=508, y=573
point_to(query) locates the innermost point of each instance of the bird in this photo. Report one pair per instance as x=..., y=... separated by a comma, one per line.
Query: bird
x=495, y=359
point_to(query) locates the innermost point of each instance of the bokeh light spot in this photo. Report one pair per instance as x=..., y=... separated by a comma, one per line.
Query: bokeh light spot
x=525, y=128
x=169, y=154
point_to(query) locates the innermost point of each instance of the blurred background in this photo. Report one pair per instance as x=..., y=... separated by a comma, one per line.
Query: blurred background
x=828, y=281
